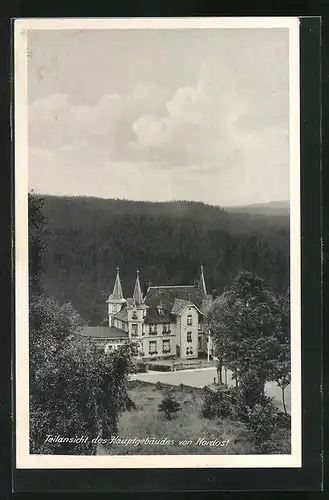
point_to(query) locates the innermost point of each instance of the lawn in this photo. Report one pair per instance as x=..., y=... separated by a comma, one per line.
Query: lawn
x=182, y=432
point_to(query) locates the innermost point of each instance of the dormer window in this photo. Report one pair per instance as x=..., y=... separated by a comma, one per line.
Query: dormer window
x=160, y=310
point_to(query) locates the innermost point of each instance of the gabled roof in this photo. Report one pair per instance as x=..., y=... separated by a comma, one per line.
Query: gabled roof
x=180, y=305
x=168, y=294
x=105, y=332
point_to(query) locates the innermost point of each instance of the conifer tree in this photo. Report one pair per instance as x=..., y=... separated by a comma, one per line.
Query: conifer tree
x=169, y=406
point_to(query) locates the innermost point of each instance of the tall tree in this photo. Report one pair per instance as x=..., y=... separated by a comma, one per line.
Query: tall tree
x=75, y=388
x=36, y=222
x=282, y=367
x=246, y=324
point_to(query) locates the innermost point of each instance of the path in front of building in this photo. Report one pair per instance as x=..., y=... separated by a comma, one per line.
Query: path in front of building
x=206, y=376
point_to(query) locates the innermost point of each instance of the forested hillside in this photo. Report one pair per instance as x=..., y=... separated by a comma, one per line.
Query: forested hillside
x=86, y=238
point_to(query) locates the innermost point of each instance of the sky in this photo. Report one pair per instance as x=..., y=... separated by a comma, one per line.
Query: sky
x=181, y=114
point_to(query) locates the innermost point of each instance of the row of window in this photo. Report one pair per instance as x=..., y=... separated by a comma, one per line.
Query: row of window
x=165, y=328
x=165, y=347
x=153, y=347
x=188, y=334
x=152, y=327
x=189, y=321
x=152, y=330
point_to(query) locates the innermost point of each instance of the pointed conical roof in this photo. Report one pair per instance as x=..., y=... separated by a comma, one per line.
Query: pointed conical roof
x=138, y=297
x=117, y=289
x=202, y=283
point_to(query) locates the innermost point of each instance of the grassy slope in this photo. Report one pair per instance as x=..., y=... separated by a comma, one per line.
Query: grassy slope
x=147, y=421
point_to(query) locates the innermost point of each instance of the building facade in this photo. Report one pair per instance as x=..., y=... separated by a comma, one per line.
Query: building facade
x=165, y=323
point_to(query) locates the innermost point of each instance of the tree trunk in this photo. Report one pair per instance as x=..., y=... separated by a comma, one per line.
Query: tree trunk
x=283, y=401
x=236, y=379
x=220, y=371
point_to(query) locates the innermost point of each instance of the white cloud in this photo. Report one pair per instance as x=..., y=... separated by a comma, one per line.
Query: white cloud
x=222, y=138
x=55, y=121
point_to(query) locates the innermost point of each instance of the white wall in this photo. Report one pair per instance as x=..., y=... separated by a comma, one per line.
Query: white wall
x=185, y=328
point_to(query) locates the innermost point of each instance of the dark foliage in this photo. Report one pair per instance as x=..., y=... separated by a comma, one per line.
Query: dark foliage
x=75, y=388
x=222, y=403
x=86, y=238
x=169, y=406
x=35, y=244
x=269, y=429
x=263, y=423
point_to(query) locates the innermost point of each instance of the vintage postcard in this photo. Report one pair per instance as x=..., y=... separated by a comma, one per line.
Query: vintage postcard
x=157, y=247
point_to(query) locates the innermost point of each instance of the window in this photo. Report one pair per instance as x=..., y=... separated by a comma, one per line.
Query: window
x=189, y=350
x=199, y=343
x=134, y=315
x=153, y=329
x=165, y=346
x=189, y=319
x=189, y=336
x=134, y=331
x=166, y=328
x=153, y=347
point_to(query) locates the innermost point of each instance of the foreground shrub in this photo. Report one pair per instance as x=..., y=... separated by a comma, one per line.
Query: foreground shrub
x=75, y=388
x=222, y=403
x=262, y=423
x=169, y=406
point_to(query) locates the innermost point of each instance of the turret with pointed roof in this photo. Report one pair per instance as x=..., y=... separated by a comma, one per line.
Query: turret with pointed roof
x=116, y=299
x=201, y=282
x=137, y=296
x=117, y=289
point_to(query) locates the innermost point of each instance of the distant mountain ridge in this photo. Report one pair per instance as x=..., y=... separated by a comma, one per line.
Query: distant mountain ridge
x=269, y=208
x=86, y=238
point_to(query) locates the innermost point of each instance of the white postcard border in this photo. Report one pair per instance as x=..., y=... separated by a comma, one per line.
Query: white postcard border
x=23, y=458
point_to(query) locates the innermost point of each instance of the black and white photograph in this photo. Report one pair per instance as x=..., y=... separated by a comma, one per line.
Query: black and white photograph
x=157, y=243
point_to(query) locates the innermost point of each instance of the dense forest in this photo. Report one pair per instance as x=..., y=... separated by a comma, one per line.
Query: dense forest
x=86, y=238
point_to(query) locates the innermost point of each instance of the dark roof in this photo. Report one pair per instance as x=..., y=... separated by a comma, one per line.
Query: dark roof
x=179, y=306
x=103, y=332
x=153, y=316
x=123, y=314
x=168, y=294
